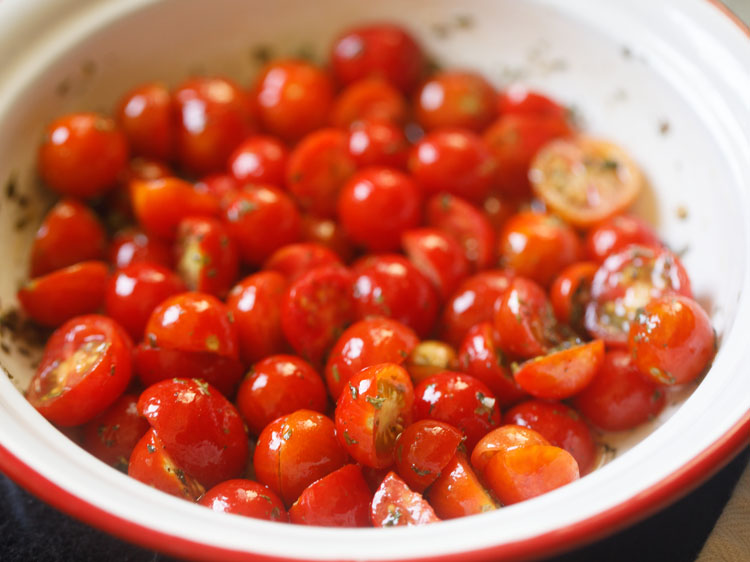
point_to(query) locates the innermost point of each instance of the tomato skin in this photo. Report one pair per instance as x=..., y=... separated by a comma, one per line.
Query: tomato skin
x=135, y=291
x=619, y=397
x=276, y=386
x=395, y=505
x=247, y=498
x=672, y=341
x=561, y=374
x=372, y=411
x=261, y=219
x=85, y=367
x=538, y=246
x=455, y=99
x=616, y=234
x=460, y=400
x=455, y=161
x=259, y=159
x=327, y=232
x=52, y=299
x=519, y=100
x=317, y=170
x=423, y=450
x=457, y=492
x=570, y=293
x=69, y=234
x=218, y=185
x=296, y=450
x=255, y=304
x=377, y=205
x=561, y=425
x=113, y=434
x=82, y=155
x=428, y=358
x=293, y=98
x=340, y=499
x=438, y=256
x=381, y=50
x=526, y=472
x=389, y=285
x=504, y=438
x=201, y=430
x=366, y=343
x=369, y=98
x=378, y=143
x=147, y=119
x=294, y=260
x=132, y=245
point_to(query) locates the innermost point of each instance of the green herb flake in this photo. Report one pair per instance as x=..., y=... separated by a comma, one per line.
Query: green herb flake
x=419, y=472
x=348, y=439
x=353, y=391
x=287, y=434
x=376, y=401
x=212, y=343
x=335, y=373
x=150, y=448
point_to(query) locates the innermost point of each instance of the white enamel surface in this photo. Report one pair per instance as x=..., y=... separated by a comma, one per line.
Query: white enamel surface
x=689, y=67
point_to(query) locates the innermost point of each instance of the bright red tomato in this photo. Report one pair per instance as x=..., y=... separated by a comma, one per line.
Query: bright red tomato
x=571, y=292
x=519, y=100
x=423, y=450
x=438, y=256
x=455, y=99
x=457, y=492
x=616, y=234
x=395, y=505
x=294, y=260
x=146, y=116
x=218, y=185
x=112, y=435
x=369, y=98
x=259, y=159
x=378, y=143
x=131, y=246
x=504, y=438
x=328, y=233
x=245, y=497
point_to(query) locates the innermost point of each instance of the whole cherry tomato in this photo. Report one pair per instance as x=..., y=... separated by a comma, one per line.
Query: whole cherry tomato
x=378, y=143
x=571, y=292
x=395, y=505
x=146, y=116
x=218, y=185
x=245, y=497
x=617, y=233
x=519, y=100
x=112, y=435
x=259, y=159
x=504, y=438
x=369, y=98
x=294, y=260
x=423, y=450
x=438, y=256
x=327, y=232
x=131, y=246
x=455, y=99
x=458, y=492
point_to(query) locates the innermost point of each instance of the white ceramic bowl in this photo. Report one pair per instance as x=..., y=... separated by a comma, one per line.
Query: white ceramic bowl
x=668, y=80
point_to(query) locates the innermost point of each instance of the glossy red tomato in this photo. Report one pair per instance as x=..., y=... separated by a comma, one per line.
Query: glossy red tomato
x=259, y=159
x=86, y=366
x=438, y=256
x=377, y=205
x=276, y=386
x=619, y=397
x=131, y=246
x=570, y=293
x=318, y=168
x=395, y=505
x=69, y=234
x=671, y=340
x=460, y=400
x=293, y=98
x=561, y=425
x=372, y=411
x=367, y=342
x=54, y=298
x=519, y=100
x=296, y=450
x=389, y=285
x=135, y=291
x=423, y=450
x=504, y=438
x=261, y=219
x=112, y=435
x=294, y=260
x=455, y=161
x=329, y=233
x=369, y=98
x=458, y=492
x=455, y=99
x=616, y=234
x=245, y=497
x=378, y=143
x=382, y=50
x=255, y=304
x=429, y=358
x=146, y=116
x=116, y=208
x=218, y=185
x=82, y=155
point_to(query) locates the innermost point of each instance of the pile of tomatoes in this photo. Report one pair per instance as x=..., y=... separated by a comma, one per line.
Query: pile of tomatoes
x=354, y=295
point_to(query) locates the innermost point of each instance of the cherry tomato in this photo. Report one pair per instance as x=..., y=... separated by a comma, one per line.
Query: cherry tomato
x=625, y=283
x=85, y=367
x=293, y=98
x=112, y=435
x=146, y=116
x=369, y=98
x=82, y=155
x=585, y=180
x=259, y=159
x=366, y=343
x=423, y=450
x=499, y=210
x=460, y=400
x=519, y=100
x=255, y=304
x=377, y=205
x=277, y=386
x=329, y=233
x=671, y=340
x=294, y=260
x=616, y=234
x=504, y=438
x=467, y=224
x=296, y=450
x=619, y=397
x=438, y=256
x=428, y=358
x=134, y=292
x=116, y=208
x=54, y=298
x=538, y=246
x=395, y=505
x=135, y=246
x=389, y=285
x=378, y=143
x=571, y=292
x=218, y=185
x=457, y=492
x=382, y=50
x=561, y=425
x=455, y=99
x=372, y=411
x=318, y=168
x=261, y=219
x=245, y=497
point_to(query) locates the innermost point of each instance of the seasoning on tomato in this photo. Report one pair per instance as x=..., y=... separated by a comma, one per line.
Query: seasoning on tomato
x=423, y=450
x=571, y=292
x=112, y=435
x=395, y=505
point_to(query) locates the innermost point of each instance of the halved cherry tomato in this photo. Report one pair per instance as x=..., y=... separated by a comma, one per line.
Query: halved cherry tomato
x=259, y=159
x=329, y=233
x=423, y=450
x=616, y=234
x=369, y=98
x=296, y=450
x=54, y=298
x=571, y=292
x=86, y=366
x=135, y=246
x=372, y=411
x=457, y=492
x=455, y=99
x=294, y=260
x=428, y=358
x=112, y=435
x=147, y=118
x=671, y=340
x=247, y=498
x=378, y=143
x=519, y=100
x=585, y=180
x=504, y=438
x=395, y=505
x=438, y=256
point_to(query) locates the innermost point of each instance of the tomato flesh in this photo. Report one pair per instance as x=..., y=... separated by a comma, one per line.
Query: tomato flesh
x=395, y=505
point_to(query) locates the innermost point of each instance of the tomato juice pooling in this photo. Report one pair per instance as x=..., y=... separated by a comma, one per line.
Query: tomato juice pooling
x=358, y=294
